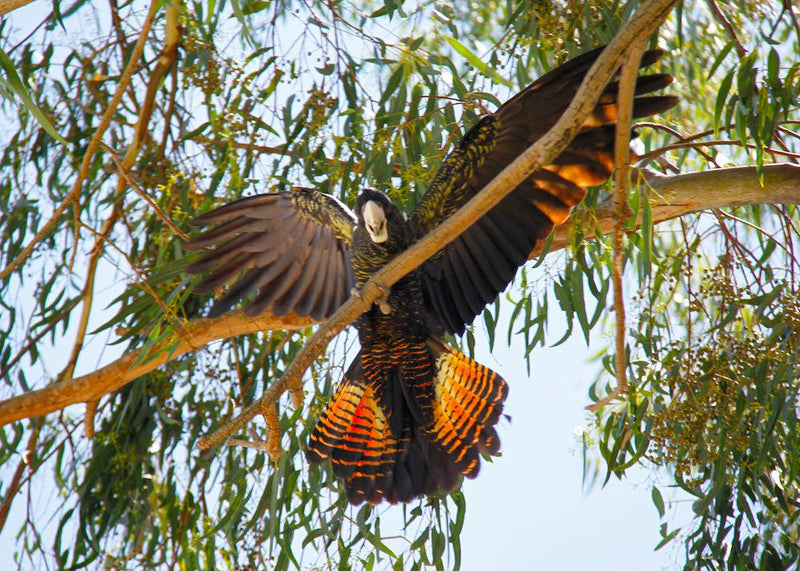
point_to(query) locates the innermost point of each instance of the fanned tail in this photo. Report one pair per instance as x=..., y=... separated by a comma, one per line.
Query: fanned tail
x=408, y=420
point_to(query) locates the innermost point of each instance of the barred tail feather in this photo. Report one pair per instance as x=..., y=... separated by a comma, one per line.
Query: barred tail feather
x=468, y=403
x=354, y=431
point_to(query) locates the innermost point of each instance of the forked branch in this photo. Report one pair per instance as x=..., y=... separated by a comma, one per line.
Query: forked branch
x=622, y=164
x=132, y=365
x=105, y=122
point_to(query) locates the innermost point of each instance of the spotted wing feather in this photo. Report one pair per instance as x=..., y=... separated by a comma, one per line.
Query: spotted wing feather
x=366, y=438
x=468, y=402
x=467, y=274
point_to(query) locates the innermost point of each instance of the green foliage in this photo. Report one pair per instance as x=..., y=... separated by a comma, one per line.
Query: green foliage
x=719, y=406
x=714, y=395
x=339, y=96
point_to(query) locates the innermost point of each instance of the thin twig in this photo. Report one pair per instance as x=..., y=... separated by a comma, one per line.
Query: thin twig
x=681, y=138
x=33, y=340
x=16, y=480
x=787, y=6
x=622, y=161
x=88, y=418
x=261, y=445
x=264, y=149
x=660, y=151
x=786, y=248
x=105, y=121
x=723, y=21
x=615, y=393
x=88, y=289
x=163, y=216
x=165, y=61
x=283, y=151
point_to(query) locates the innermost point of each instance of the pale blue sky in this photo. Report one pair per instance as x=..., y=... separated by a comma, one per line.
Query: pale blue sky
x=528, y=510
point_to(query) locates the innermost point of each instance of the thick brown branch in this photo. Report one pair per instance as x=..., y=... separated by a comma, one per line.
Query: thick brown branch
x=132, y=365
x=7, y=6
x=674, y=196
x=670, y=197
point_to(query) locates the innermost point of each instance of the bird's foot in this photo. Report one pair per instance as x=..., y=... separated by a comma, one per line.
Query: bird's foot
x=383, y=300
x=383, y=304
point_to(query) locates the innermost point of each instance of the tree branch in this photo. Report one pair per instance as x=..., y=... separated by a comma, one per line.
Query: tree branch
x=88, y=288
x=691, y=144
x=7, y=6
x=105, y=121
x=670, y=197
x=120, y=372
x=138, y=362
x=674, y=196
x=126, y=174
x=165, y=61
x=16, y=480
x=728, y=27
x=622, y=163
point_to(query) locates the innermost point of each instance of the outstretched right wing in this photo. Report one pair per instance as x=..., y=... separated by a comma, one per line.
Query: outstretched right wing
x=292, y=248
x=474, y=268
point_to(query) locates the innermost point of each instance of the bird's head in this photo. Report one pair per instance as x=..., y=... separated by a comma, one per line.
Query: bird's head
x=375, y=211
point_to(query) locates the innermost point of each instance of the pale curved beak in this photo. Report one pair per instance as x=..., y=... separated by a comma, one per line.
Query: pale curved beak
x=375, y=222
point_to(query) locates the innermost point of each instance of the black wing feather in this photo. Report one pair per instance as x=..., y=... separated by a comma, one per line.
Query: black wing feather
x=457, y=285
x=479, y=243
x=293, y=297
x=323, y=300
x=477, y=272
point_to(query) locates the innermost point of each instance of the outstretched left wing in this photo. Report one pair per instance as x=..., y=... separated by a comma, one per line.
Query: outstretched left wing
x=474, y=268
x=292, y=248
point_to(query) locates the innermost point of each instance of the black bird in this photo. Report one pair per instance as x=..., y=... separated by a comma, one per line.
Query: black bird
x=412, y=415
